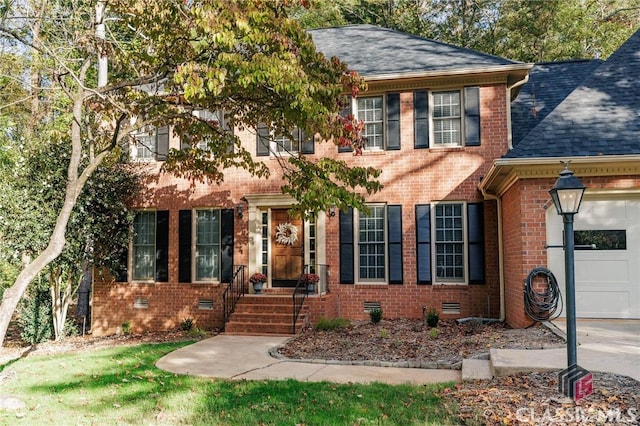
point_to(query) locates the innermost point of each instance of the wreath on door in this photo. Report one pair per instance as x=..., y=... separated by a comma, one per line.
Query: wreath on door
x=287, y=234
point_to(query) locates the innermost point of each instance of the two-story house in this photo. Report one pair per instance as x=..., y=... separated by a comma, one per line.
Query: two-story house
x=436, y=117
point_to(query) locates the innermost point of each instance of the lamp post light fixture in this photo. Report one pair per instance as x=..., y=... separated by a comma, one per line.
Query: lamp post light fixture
x=567, y=196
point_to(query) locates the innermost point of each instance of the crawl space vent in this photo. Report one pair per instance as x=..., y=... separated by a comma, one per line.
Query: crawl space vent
x=370, y=306
x=205, y=304
x=141, y=303
x=451, y=308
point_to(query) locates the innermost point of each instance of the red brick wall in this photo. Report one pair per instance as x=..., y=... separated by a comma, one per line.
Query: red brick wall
x=524, y=225
x=410, y=176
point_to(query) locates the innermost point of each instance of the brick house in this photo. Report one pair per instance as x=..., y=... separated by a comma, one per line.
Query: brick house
x=437, y=116
x=595, y=125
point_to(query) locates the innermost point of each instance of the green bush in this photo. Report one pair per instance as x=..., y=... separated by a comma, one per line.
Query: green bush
x=35, y=316
x=375, y=315
x=432, y=317
x=187, y=324
x=331, y=324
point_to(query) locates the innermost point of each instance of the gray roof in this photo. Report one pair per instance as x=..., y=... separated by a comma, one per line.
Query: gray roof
x=600, y=117
x=549, y=84
x=376, y=51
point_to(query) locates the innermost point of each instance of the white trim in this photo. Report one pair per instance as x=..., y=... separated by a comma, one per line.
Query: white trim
x=356, y=245
x=432, y=139
x=465, y=245
x=194, y=234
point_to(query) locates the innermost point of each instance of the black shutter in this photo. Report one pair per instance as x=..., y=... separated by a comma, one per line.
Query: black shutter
x=121, y=273
x=346, y=247
x=475, y=223
x=184, y=246
x=307, y=145
x=162, y=246
x=262, y=140
x=162, y=143
x=395, y=244
x=346, y=112
x=393, y=121
x=472, y=116
x=423, y=241
x=226, y=245
x=421, y=119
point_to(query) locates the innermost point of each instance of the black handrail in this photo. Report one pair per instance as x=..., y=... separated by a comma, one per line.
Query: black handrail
x=234, y=291
x=299, y=294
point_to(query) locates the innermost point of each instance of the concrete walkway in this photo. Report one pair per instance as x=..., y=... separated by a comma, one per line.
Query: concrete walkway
x=611, y=346
x=604, y=345
x=247, y=357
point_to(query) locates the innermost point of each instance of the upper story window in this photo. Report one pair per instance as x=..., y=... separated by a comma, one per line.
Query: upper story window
x=447, y=116
x=152, y=144
x=216, y=118
x=370, y=111
x=269, y=144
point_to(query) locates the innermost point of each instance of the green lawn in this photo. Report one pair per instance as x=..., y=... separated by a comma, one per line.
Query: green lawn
x=121, y=386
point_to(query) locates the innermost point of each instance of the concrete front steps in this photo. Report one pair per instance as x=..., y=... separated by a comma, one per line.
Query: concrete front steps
x=264, y=314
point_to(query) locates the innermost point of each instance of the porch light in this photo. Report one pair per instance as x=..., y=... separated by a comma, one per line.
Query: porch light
x=567, y=192
x=239, y=210
x=332, y=211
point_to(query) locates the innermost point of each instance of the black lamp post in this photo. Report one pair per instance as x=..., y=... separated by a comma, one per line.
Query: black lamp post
x=567, y=196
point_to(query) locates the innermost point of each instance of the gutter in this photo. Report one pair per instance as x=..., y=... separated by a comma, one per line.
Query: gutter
x=453, y=72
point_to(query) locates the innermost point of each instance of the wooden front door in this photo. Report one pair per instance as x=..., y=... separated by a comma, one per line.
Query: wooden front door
x=287, y=242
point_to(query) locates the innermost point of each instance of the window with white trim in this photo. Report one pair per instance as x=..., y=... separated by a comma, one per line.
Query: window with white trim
x=145, y=146
x=372, y=243
x=449, y=233
x=144, y=245
x=370, y=111
x=283, y=144
x=447, y=118
x=207, y=245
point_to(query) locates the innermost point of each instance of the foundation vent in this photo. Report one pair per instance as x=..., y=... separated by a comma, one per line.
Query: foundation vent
x=141, y=303
x=451, y=308
x=205, y=304
x=370, y=306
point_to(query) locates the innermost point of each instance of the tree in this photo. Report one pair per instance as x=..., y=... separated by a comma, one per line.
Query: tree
x=524, y=30
x=166, y=61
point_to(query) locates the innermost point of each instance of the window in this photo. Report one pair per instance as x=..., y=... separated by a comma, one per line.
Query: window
x=447, y=118
x=284, y=145
x=370, y=111
x=151, y=144
x=600, y=240
x=268, y=144
x=372, y=244
x=207, y=245
x=449, y=242
x=144, y=245
x=217, y=118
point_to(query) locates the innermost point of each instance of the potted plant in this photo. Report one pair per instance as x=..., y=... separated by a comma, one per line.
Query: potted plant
x=258, y=279
x=310, y=281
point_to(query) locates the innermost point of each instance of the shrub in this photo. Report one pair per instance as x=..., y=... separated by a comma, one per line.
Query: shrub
x=327, y=324
x=186, y=324
x=126, y=328
x=432, y=317
x=35, y=316
x=433, y=333
x=197, y=333
x=375, y=315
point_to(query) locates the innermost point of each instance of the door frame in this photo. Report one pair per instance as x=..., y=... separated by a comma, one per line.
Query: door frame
x=263, y=203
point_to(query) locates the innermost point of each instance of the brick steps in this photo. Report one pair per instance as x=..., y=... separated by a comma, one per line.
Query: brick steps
x=264, y=315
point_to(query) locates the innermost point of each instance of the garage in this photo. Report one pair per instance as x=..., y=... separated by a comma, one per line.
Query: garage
x=607, y=256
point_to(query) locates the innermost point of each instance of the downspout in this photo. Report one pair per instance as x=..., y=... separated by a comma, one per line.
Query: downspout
x=498, y=200
x=510, y=98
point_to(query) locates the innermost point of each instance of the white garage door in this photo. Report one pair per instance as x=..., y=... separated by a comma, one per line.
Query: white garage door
x=607, y=277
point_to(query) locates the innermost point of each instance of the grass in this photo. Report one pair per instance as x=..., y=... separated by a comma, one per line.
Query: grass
x=121, y=386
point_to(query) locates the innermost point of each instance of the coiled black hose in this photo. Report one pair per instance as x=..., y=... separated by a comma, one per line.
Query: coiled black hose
x=545, y=305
